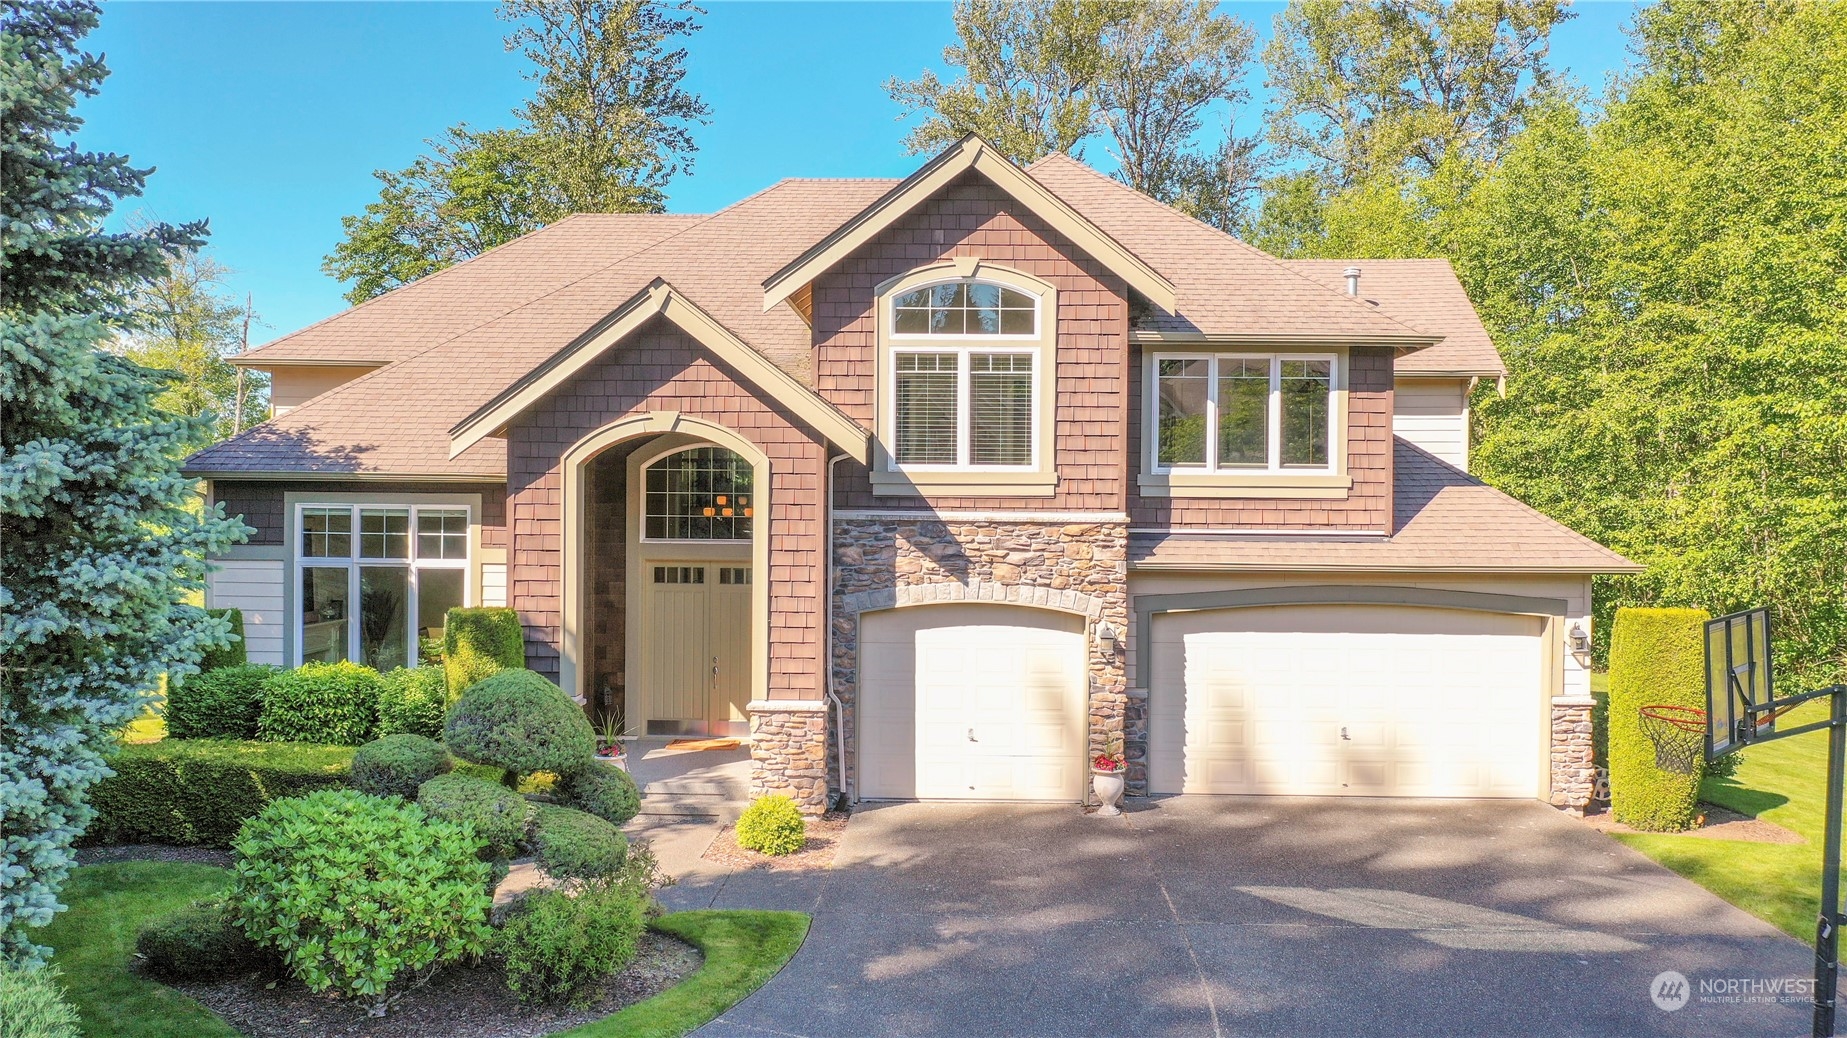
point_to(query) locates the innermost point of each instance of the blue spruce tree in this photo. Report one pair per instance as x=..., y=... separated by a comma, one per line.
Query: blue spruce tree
x=97, y=546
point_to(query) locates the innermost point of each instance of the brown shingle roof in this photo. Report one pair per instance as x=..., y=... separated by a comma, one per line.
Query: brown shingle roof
x=1426, y=293
x=1445, y=519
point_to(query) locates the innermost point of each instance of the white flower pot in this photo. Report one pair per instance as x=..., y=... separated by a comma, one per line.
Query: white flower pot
x=1108, y=785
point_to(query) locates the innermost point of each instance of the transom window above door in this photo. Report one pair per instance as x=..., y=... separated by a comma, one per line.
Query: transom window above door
x=698, y=494
x=1243, y=413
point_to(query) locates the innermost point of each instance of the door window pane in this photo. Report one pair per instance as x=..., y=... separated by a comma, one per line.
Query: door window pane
x=442, y=533
x=438, y=591
x=1244, y=412
x=1305, y=390
x=703, y=494
x=1000, y=404
x=384, y=602
x=327, y=533
x=1181, y=394
x=384, y=533
x=925, y=425
x=324, y=594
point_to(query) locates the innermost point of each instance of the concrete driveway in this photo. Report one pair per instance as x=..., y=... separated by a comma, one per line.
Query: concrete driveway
x=1248, y=916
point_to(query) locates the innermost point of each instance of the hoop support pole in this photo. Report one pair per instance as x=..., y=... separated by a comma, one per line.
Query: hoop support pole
x=1827, y=926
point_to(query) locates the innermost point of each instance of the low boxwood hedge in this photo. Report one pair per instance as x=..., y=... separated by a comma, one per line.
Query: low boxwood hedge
x=1657, y=656
x=411, y=701
x=199, y=791
x=321, y=702
x=218, y=704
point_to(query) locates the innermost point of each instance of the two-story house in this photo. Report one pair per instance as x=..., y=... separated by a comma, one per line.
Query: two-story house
x=933, y=489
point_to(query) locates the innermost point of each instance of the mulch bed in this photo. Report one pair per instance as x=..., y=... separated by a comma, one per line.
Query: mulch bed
x=155, y=852
x=1720, y=823
x=460, y=1002
x=824, y=835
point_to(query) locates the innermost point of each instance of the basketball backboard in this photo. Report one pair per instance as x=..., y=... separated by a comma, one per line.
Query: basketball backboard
x=1738, y=681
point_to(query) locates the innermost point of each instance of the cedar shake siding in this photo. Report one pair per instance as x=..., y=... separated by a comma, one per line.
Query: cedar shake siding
x=260, y=504
x=660, y=368
x=1367, y=506
x=973, y=218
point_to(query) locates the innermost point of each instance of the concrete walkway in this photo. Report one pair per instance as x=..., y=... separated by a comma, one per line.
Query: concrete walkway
x=1248, y=916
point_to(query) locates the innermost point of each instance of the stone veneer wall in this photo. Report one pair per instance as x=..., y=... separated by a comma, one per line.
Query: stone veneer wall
x=1081, y=567
x=788, y=748
x=1574, y=776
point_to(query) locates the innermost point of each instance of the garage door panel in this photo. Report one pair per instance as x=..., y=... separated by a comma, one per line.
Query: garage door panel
x=1432, y=702
x=993, y=701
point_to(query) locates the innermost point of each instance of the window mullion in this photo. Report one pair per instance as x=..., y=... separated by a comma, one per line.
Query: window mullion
x=964, y=420
x=1275, y=416
x=1212, y=414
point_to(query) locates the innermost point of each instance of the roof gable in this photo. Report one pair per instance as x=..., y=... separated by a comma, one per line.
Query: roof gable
x=971, y=153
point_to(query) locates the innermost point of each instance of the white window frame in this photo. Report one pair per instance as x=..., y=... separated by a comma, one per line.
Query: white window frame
x=891, y=312
x=352, y=563
x=1274, y=467
x=964, y=351
x=641, y=532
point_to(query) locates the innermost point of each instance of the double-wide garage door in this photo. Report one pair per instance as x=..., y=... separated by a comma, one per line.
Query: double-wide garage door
x=1356, y=700
x=972, y=702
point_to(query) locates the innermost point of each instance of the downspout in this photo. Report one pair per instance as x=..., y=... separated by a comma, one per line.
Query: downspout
x=827, y=635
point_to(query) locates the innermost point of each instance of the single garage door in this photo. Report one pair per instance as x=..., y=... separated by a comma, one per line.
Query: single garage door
x=1346, y=700
x=971, y=702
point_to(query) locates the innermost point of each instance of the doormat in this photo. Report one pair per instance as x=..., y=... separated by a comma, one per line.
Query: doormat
x=703, y=744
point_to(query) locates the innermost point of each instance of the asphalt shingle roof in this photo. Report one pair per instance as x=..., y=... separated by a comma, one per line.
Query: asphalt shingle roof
x=1426, y=293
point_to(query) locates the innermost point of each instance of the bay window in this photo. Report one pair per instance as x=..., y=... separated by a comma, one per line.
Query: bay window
x=373, y=580
x=1243, y=413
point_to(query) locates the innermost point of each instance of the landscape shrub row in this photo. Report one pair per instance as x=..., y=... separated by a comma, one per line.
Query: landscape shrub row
x=198, y=792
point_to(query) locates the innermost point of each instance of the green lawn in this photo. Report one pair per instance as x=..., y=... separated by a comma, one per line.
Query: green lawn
x=1782, y=782
x=95, y=939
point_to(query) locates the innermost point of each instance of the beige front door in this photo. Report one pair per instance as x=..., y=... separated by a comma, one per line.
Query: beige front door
x=696, y=651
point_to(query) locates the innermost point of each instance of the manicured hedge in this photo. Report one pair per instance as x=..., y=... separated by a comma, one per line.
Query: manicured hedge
x=199, y=791
x=519, y=720
x=477, y=641
x=396, y=765
x=321, y=702
x=232, y=655
x=1657, y=656
x=218, y=704
x=412, y=702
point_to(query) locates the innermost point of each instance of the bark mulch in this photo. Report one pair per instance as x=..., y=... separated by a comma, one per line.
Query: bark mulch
x=154, y=852
x=460, y=1002
x=824, y=835
x=1715, y=823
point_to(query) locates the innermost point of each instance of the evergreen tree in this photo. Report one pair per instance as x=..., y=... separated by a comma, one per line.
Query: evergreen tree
x=97, y=548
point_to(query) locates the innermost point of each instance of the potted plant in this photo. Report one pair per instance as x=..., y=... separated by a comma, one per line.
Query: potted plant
x=609, y=733
x=1106, y=777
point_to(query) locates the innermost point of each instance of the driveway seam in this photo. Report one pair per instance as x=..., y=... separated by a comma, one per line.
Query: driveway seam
x=1186, y=940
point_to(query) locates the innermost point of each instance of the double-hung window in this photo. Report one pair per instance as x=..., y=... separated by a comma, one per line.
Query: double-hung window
x=1243, y=413
x=965, y=371
x=375, y=579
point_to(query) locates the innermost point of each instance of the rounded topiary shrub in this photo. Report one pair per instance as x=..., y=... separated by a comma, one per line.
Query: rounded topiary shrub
x=199, y=942
x=497, y=815
x=478, y=641
x=1657, y=656
x=411, y=701
x=321, y=702
x=358, y=893
x=398, y=764
x=520, y=721
x=556, y=947
x=572, y=845
x=218, y=704
x=604, y=791
x=772, y=825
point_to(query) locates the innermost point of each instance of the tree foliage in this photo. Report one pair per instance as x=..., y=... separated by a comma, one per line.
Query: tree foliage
x=1665, y=283
x=100, y=546
x=1050, y=76
x=608, y=127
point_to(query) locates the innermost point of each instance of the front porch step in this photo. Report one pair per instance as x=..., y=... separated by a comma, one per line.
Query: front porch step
x=723, y=807
x=695, y=785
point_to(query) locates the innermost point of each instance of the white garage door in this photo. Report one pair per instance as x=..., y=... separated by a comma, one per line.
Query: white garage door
x=1346, y=700
x=971, y=702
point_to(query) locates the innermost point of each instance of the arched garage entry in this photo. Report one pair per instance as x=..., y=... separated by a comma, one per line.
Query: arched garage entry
x=1401, y=693
x=972, y=701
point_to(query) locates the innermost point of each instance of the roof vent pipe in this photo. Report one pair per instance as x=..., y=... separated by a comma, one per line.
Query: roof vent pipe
x=1352, y=274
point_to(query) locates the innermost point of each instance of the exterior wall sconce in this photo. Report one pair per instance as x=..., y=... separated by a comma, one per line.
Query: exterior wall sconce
x=1107, y=635
x=1579, y=643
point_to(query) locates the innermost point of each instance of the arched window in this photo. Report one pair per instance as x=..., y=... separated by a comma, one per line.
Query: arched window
x=698, y=494
x=965, y=308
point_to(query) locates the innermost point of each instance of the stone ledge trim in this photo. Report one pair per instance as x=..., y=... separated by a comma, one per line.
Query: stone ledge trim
x=977, y=590
x=786, y=706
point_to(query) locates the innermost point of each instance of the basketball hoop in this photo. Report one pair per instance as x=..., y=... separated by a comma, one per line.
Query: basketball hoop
x=1679, y=735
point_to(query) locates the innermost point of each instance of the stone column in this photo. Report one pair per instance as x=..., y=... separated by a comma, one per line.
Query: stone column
x=788, y=751
x=1574, y=776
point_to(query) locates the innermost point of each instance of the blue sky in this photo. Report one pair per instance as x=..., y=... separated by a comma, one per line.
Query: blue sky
x=269, y=118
